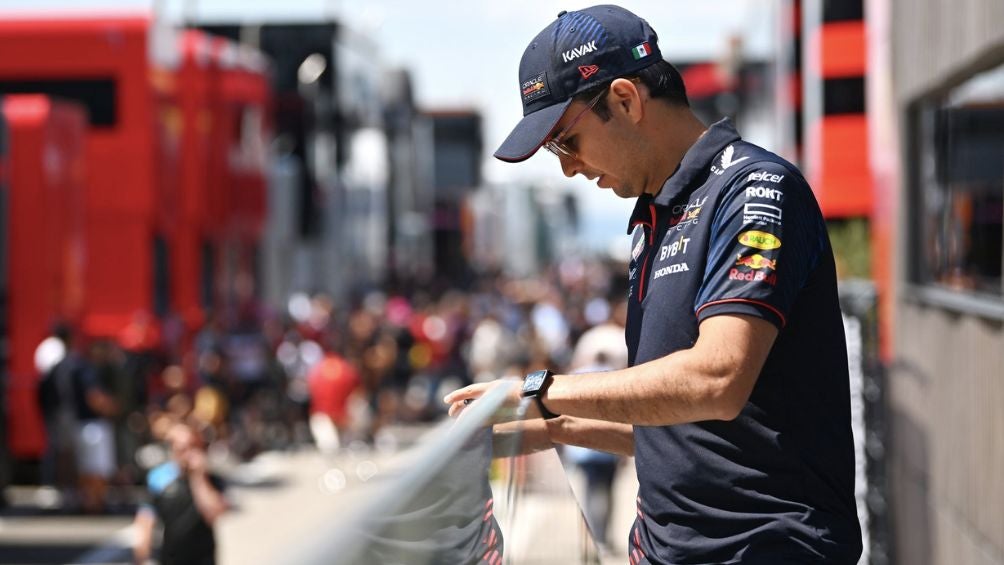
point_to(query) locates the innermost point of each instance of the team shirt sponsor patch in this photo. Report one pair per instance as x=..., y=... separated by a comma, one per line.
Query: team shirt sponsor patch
x=764, y=192
x=638, y=247
x=764, y=176
x=759, y=240
x=727, y=161
x=761, y=214
x=754, y=268
x=753, y=276
x=756, y=262
x=671, y=250
x=687, y=214
x=670, y=270
x=534, y=88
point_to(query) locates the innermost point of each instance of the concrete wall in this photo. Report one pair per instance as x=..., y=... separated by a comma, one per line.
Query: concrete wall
x=946, y=459
x=946, y=383
x=937, y=40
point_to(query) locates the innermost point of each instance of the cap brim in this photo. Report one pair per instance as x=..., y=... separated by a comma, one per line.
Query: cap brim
x=529, y=134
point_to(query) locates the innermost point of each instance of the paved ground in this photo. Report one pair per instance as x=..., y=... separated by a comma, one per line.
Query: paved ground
x=281, y=500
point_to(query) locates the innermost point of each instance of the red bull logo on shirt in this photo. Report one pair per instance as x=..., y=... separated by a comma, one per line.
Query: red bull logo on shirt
x=753, y=276
x=757, y=262
x=761, y=267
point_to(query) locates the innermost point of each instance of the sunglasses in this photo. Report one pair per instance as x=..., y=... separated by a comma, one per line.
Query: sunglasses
x=557, y=144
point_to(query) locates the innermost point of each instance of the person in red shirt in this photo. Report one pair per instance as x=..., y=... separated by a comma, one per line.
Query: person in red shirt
x=331, y=382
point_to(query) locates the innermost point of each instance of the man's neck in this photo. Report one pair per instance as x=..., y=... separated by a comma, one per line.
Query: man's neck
x=674, y=130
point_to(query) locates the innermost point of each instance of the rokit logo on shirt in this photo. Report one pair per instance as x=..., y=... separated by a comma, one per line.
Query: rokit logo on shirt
x=764, y=192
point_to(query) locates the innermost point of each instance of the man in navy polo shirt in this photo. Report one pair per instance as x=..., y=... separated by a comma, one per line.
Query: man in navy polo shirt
x=736, y=401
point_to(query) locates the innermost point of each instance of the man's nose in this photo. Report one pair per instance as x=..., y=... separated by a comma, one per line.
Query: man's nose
x=569, y=165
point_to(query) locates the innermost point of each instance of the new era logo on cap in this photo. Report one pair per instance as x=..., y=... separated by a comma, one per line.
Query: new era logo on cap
x=588, y=71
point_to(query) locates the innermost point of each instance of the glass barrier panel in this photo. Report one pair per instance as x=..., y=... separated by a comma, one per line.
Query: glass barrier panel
x=484, y=488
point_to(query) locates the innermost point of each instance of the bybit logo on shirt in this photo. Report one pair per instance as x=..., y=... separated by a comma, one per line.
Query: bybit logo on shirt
x=671, y=250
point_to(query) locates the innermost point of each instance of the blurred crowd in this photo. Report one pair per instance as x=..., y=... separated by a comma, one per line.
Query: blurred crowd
x=317, y=373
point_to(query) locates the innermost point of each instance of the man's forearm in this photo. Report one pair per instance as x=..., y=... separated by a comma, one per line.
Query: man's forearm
x=611, y=437
x=208, y=500
x=536, y=434
x=711, y=381
x=142, y=536
x=662, y=392
x=520, y=438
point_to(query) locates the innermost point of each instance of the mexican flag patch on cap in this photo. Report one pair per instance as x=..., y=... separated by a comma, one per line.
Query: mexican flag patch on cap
x=642, y=50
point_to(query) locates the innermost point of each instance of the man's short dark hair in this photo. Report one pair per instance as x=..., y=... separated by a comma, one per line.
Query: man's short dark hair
x=662, y=79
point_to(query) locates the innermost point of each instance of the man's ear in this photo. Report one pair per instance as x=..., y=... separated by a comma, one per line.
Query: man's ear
x=626, y=98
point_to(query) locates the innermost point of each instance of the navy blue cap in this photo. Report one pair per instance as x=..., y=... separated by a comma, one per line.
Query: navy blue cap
x=576, y=52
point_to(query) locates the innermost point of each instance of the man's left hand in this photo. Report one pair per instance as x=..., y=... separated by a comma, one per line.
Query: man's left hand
x=460, y=398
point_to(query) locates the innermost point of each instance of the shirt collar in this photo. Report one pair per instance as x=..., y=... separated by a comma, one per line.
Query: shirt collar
x=695, y=163
x=643, y=213
x=697, y=160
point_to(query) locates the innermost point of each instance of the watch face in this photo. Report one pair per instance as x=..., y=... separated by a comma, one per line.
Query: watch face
x=533, y=382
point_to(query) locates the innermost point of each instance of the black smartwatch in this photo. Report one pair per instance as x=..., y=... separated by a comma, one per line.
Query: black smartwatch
x=534, y=386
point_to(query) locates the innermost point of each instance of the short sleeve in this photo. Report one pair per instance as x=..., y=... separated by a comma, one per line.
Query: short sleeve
x=767, y=236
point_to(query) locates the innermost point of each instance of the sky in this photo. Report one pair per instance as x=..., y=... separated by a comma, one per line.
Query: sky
x=465, y=54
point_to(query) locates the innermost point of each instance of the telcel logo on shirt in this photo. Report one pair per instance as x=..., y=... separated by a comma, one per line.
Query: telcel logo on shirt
x=759, y=240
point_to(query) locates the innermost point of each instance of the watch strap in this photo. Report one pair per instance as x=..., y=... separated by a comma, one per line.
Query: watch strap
x=544, y=377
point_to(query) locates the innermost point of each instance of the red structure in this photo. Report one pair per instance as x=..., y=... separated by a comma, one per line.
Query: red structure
x=239, y=165
x=168, y=209
x=46, y=235
x=836, y=127
x=106, y=65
